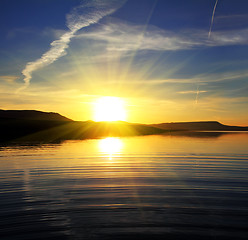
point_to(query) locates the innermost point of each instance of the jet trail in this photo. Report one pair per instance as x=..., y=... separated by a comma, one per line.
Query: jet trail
x=212, y=19
x=86, y=14
x=197, y=95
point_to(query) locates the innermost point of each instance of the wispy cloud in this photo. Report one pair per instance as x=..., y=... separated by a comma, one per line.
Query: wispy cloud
x=123, y=37
x=201, y=79
x=234, y=21
x=89, y=12
x=15, y=32
x=9, y=78
x=191, y=92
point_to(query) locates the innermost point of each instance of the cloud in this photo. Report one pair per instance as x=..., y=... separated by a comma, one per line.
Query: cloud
x=89, y=12
x=9, y=78
x=201, y=79
x=231, y=21
x=125, y=37
x=15, y=32
x=191, y=92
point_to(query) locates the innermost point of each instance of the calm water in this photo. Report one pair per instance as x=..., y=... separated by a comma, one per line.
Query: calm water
x=175, y=187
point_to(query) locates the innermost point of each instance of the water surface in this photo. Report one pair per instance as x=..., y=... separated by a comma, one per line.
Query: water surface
x=176, y=187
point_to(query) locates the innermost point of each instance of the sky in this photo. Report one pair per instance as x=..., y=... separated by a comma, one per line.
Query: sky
x=170, y=60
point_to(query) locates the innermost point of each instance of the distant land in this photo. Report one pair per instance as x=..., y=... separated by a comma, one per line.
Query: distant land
x=32, y=115
x=32, y=125
x=199, y=126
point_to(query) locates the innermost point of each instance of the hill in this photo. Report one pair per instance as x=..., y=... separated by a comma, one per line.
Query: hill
x=31, y=125
x=32, y=115
x=198, y=126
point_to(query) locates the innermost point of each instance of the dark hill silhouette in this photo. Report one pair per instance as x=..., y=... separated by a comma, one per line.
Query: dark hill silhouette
x=198, y=126
x=30, y=125
x=32, y=115
x=50, y=131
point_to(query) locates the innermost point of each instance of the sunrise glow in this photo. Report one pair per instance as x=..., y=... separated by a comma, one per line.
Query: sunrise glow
x=175, y=61
x=109, y=109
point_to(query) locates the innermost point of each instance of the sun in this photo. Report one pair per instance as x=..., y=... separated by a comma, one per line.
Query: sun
x=109, y=109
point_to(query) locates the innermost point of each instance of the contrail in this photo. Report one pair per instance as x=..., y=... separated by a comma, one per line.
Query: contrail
x=90, y=12
x=197, y=95
x=212, y=19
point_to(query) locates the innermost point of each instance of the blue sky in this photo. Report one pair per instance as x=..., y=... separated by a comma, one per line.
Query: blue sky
x=160, y=56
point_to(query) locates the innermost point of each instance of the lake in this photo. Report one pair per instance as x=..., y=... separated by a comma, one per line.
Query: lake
x=192, y=186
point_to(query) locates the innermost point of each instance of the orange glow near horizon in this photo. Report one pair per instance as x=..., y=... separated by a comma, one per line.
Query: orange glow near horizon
x=109, y=109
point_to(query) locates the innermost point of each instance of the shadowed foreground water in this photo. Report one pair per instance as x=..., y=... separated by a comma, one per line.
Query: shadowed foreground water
x=175, y=187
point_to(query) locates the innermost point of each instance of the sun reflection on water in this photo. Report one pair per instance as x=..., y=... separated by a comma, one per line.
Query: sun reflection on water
x=110, y=146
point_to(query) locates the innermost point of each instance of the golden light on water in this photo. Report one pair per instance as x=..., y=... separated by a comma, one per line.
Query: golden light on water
x=110, y=146
x=109, y=109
